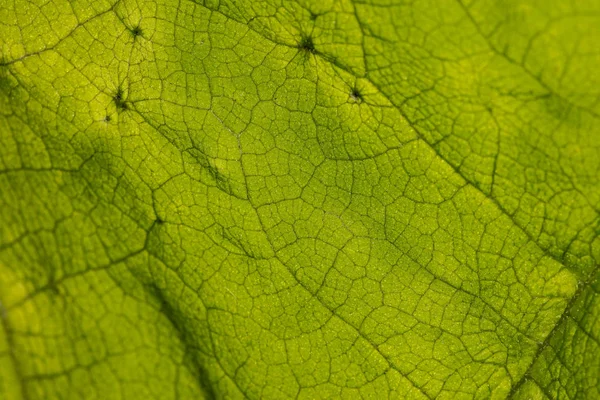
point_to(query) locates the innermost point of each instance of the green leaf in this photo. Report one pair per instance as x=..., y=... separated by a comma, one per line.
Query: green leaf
x=299, y=199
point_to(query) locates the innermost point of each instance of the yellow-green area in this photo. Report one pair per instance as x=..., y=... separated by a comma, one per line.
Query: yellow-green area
x=299, y=199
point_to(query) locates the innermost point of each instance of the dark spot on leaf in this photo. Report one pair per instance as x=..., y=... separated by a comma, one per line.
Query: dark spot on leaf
x=313, y=16
x=119, y=100
x=307, y=44
x=159, y=221
x=107, y=118
x=136, y=31
x=356, y=95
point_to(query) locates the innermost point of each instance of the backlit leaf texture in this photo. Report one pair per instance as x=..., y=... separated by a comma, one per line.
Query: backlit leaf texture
x=279, y=199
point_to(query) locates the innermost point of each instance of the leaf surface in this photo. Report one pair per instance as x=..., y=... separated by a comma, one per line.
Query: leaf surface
x=299, y=199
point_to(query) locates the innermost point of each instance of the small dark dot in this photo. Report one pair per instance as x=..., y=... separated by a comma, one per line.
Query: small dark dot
x=136, y=31
x=107, y=118
x=307, y=44
x=119, y=100
x=159, y=221
x=356, y=95
x=313, y=16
